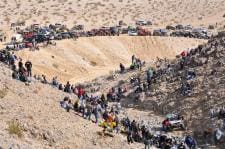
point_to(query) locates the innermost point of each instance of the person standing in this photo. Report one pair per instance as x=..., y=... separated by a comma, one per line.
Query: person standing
x=95, y=112
x=28, y=66
x=129, y=137
x=20, y=65
x=89, y=111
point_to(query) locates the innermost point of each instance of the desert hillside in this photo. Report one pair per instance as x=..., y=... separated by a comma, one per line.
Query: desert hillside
x=202, y=104
x=97, y=13
x=97, y=56
x=133, y=103
x=44, y=124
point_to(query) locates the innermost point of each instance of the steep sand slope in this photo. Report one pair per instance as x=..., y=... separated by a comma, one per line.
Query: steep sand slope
x=88, y=58
x=44, y=123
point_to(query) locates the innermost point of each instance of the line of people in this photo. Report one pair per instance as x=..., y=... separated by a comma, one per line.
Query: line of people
x=104, y=115
x=20, y=72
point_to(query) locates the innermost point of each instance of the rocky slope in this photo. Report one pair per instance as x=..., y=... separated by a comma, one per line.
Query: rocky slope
x=43, y=122
x=165, y=96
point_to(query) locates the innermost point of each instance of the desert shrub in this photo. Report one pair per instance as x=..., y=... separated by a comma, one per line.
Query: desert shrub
x=15, y=128
x=93, y=63
x=40, y=1
x=55, y=66
x=3, y=93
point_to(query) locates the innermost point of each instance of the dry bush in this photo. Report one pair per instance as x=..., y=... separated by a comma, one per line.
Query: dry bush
x=55, y=65
x=15, y=128
x=35, y=91
x=45, y=18
x=7, y=19
x=18, y=6
x=3, y=93
x=65, y=18
x=40, y=1
x=55, y=14
x=93, y=63
x=72, y=11
x=30, y=117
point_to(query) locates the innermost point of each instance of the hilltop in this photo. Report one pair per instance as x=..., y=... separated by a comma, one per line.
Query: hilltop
x=96, y=13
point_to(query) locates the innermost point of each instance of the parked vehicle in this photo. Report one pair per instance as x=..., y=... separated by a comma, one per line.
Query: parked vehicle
x=170, y=27
x=40, y=38
x=65, y=35
x=132, y=33
x=143, y=22
x=44, y=31
x=172, y=122
x=160, y=32
x=28, y=44
x=17, y=38
x=179, y=26
x=78, y=27
x=188, y=27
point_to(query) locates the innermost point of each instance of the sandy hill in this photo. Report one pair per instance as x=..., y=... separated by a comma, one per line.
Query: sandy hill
x=46, y=125
x=43, y=122
x=95, y=13
x=96, y=56
x=36, y=107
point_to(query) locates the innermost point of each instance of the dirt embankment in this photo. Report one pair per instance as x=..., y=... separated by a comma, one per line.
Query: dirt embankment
x=87, y=58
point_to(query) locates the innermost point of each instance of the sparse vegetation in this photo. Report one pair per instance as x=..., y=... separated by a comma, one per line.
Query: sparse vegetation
x=14, y=128
x=93, y=63
x=55, y=66
x=3, y=93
